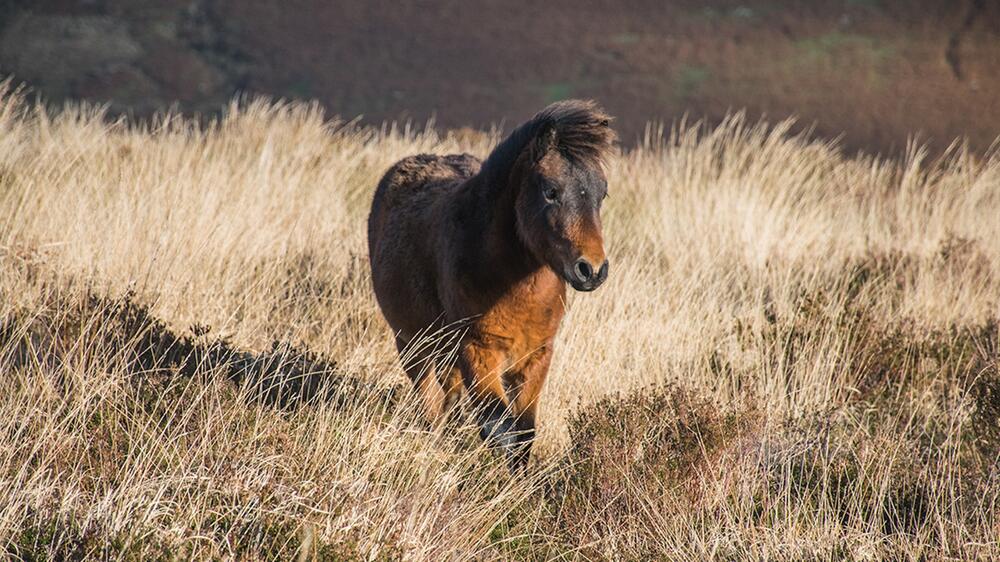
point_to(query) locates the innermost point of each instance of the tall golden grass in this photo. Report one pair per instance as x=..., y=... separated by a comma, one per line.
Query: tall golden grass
x=795, y=355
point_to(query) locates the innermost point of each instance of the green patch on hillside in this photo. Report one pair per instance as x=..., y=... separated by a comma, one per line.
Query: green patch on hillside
x=625, y=38
x=556, y=91
x=688, y=80
x=835, y=43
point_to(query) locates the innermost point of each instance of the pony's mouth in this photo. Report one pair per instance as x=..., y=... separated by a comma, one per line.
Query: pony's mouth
x=585, y=286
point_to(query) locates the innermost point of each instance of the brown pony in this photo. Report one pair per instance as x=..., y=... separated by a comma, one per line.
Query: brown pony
x=490, y=245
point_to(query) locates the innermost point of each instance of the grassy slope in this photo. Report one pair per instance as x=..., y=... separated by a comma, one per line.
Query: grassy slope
x=795, y=355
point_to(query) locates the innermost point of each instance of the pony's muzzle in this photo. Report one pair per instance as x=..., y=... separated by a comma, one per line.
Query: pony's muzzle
x=584, y=277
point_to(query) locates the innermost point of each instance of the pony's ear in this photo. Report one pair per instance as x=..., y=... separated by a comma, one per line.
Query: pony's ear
x=544, y=142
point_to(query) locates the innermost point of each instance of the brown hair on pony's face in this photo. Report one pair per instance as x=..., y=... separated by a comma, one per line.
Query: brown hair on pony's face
x=559, y=213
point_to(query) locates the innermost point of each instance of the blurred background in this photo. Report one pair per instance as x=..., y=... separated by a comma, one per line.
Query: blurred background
x=870, y=72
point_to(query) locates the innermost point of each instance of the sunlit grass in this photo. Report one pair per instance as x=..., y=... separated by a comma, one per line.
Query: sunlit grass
x=794, y=355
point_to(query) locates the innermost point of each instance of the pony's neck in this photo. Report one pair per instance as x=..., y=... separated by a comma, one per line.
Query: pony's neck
x=501, y=253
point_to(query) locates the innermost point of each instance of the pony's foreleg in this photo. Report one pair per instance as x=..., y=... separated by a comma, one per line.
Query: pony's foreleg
x=451, y=384
x=524, y=404
x=431, y=395
x=482, y=369
x=422, y=373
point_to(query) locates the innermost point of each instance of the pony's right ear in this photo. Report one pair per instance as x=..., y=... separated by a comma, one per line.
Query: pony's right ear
x=544, y=142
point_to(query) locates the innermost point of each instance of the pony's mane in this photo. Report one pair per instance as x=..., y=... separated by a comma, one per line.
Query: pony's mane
x=582, y=134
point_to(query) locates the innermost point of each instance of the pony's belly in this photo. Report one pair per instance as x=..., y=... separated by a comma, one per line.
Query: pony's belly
x=407, y=305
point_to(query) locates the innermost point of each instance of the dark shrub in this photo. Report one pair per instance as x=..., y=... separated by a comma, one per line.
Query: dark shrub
x=634, y=460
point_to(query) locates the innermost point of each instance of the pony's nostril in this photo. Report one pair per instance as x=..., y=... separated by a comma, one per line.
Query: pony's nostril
x=584, y=271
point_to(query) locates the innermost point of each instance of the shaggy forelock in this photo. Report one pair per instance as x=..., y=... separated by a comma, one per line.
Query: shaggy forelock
x=583, y=129
x=582, y=133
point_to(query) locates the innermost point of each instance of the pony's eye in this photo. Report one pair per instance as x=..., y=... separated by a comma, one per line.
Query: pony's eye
x=550, y=194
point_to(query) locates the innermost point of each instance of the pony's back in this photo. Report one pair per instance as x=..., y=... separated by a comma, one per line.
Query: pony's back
x=406, y=215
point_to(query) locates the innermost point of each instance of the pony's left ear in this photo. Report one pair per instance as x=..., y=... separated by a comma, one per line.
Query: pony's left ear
x=544, y=142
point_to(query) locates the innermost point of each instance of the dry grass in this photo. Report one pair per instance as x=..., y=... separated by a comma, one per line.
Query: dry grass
x=795, y=355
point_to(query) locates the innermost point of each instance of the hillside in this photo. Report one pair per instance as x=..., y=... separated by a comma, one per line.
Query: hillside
x=872, y=71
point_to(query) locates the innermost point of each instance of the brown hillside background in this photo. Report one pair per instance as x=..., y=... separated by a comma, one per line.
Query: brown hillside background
x=872, y=72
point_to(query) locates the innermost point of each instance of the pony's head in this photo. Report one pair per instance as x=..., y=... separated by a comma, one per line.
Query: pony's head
x=562, y=186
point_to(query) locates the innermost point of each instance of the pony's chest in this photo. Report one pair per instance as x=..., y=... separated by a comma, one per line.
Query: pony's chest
x=524, y=321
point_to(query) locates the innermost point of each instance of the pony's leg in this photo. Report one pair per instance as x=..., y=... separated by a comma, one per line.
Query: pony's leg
x=482, y=368
x=451, y=383
x=421, y=373
x=524, y=404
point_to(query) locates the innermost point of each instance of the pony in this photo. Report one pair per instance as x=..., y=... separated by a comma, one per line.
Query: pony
x=490, y=246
